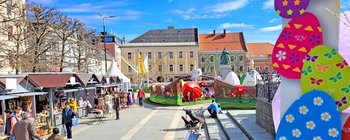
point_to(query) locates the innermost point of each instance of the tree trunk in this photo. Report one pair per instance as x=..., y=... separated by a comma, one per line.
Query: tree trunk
x=62, y=55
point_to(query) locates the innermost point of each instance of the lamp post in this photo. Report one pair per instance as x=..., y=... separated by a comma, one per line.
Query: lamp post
x=104, y=37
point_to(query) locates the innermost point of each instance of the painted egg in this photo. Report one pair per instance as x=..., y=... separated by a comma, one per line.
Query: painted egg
x=298, y=37
x=346, y=130
x=325, y=69
x=313, y=116
x=291, y=8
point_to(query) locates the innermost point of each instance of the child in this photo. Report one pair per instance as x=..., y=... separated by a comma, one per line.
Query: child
x=55, y=135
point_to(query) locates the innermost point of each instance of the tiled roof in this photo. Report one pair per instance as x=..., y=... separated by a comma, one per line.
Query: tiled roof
x=49, y=80
x=168, y=35
x=219, y=41
x=257, y=49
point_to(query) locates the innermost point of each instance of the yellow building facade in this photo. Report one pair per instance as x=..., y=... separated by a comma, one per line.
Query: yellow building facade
x=171, y=53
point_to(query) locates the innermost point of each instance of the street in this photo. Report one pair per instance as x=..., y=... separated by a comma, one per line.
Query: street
x=149, y=122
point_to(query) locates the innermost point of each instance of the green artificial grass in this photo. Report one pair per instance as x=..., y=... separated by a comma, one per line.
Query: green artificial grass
x=235, y=103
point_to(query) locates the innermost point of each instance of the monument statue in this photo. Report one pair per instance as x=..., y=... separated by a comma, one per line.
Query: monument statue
x=225, y=58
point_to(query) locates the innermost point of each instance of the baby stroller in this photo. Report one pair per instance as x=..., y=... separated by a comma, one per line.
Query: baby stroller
x=195, y=118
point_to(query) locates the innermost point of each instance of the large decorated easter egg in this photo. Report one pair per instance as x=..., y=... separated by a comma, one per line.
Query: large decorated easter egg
x=298, y=37
x=313, y=116
x=325, y=69
x=291, y=8
x=346, y=130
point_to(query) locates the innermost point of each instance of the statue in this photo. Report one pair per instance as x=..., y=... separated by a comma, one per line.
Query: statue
x=225, y=58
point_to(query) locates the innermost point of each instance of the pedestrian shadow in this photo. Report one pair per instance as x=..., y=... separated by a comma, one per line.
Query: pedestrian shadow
x=174, y=129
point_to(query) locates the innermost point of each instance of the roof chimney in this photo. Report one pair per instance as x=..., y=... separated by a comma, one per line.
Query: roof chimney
x=170, y=27
x=224, y=34
x=213, y=32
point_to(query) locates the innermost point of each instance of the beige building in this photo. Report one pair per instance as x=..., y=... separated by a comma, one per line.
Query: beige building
x=9, y=10
x=170, y=52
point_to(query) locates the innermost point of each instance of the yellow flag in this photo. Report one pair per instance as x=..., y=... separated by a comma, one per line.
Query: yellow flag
x=140, y=64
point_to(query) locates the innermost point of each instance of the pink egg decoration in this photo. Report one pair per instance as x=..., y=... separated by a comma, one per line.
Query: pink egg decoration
x=297, y=38
x=291, y=8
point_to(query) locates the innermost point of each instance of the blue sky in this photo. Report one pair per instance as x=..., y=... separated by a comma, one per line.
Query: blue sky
x=255, y=18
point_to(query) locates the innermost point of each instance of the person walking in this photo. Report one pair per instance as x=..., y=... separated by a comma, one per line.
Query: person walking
x=117, y=106
x=24, y=129
x=55, y=135
x=11, y=120
x=140, y=95
x=67, y=119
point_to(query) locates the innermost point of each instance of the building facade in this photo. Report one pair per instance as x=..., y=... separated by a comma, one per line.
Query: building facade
x=113, y=46
x=211, y=47
x=170, y=53
x=10, y=31
x=261, y=54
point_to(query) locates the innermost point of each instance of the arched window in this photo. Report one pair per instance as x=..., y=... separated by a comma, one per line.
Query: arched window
x=203, y=58
x=212, y=58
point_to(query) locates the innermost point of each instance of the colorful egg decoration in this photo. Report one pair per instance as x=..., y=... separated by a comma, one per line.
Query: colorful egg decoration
x=298, y=37
x=291, y=8
x=325, y=69
x=346, y=130
x=313, y=116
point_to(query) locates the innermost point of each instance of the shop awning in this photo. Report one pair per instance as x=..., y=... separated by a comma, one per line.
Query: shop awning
x=108, y=85
x=5, y=97
x=49, y=80
x=84, y=77
x=30, y=94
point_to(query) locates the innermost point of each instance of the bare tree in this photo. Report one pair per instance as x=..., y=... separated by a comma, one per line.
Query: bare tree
x=66, y=27
x=14, y=35
x=40, y=22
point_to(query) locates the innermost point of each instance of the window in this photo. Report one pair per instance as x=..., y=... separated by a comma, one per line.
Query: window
x=267, y=69
x=191, y=67
x=261, y=55
x=10, y=33
x=149, y=67
x=232, y=58
x=159, y=55
x=203, y=58
x=257, y=69
x=180, y=54
x=253, y=55
x=241, y=68
x=269, y=55
x=160, y=68
x=211, y=69
x=171, y=55
x=191, y=54
x=129, y=55
x=212, y=58
x=241, y=58
x=149, y=55
x=171, y=68
x=233, y=68
x=181, y=67
x=203, y=69
x=129, y=69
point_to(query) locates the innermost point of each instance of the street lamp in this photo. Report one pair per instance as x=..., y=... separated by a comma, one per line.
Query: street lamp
x=104, y=37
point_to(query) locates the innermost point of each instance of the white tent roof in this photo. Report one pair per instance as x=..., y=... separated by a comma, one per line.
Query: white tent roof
x=232, y=78
x=115, y=71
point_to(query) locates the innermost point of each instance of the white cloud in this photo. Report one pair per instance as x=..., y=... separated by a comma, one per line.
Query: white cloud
x=229, y=6
x=274, y=20
x=235, y=25
x=192, y=13
x=271, y=28
x=268, y=4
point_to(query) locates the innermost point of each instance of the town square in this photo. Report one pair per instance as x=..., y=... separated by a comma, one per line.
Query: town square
x=174, y=70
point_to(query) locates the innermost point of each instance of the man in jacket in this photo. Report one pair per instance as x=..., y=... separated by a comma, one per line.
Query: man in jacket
x=67, y=119
x=11, y=120
x=117, y=106
x=25, y=130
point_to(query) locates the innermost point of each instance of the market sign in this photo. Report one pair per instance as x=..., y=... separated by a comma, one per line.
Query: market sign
x=11, y=83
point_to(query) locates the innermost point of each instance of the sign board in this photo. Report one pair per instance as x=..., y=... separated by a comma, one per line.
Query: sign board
x=11, y=83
